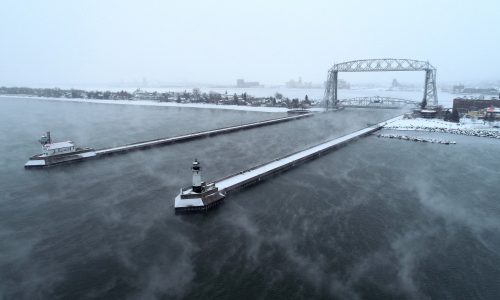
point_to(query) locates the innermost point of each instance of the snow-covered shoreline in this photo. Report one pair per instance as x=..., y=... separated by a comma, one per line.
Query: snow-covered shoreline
x=434, y=125
x=416, y=139
x=156, y=103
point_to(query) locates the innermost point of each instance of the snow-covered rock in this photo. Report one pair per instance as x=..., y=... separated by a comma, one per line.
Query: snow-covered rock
x=434, y=125
x=416, y=139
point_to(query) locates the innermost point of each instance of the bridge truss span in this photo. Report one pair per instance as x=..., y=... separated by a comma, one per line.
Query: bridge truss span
x=382, y=65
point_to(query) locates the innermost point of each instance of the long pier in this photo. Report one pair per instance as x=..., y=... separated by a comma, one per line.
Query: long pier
x=49, y=161
x=196, y=135
x=187, y=200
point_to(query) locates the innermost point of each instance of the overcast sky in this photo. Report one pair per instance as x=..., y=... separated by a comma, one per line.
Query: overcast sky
x=101, y=42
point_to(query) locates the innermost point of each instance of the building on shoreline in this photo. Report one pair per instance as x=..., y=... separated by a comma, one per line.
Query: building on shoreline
x=464, y=106
x=299, y=84
x=461, y=89
x=241, y=83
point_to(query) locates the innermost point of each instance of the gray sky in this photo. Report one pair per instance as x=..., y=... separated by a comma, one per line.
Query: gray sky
x=100, y=42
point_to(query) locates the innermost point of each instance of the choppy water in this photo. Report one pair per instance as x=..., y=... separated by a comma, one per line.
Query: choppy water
x=378, y=219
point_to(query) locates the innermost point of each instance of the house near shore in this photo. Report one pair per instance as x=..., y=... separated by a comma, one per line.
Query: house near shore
x=464, y=106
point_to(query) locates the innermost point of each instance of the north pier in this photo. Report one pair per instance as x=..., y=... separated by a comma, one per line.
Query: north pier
x=49, y=159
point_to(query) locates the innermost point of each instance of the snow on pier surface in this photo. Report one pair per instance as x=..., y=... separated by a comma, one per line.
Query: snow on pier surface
x=194, y=202
x=87, y=154
x=35, y=162
x=140, y=145
x=231, y=182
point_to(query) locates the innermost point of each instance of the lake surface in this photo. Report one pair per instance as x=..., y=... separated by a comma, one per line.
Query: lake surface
x=377, y=219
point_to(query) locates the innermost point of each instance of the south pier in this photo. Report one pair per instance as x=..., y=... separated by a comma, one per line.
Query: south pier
x=202, y=196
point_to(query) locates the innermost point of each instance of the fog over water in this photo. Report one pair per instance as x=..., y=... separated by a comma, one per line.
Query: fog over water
x=376, y=219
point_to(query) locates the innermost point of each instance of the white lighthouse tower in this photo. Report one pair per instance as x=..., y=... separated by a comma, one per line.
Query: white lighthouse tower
x=197, y=186
x=201, y=196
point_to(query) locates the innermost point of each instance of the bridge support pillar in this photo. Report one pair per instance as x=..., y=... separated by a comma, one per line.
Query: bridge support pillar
x=430, y=90
x=335, y=100
x=331, y=90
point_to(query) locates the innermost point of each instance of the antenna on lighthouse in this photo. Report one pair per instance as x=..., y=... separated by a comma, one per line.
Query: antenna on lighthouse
x=196, y=168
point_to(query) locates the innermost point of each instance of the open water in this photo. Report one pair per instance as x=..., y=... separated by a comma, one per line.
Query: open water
x=377, y=219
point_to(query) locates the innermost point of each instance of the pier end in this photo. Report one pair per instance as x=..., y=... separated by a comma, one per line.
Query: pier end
x=200, y=196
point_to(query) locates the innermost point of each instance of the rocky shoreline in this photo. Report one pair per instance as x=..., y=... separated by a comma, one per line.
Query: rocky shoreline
x=416, y=139
x=432, y=126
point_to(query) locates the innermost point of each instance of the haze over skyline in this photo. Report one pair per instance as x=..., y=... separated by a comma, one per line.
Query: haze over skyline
x=216, y=42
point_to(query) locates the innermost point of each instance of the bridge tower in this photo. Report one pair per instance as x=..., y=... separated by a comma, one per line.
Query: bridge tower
x=331, y=89
x=430, y=91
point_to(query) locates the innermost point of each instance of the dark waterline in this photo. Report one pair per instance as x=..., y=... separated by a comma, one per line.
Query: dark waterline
x=377, y=219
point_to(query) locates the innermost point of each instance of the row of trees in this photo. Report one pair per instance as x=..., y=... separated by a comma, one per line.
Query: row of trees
x=195, y=96
x=66, y=93
x=243, y=99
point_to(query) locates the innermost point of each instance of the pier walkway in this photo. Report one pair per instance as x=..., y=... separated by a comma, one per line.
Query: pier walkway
x=195, y=135
x=251, y=176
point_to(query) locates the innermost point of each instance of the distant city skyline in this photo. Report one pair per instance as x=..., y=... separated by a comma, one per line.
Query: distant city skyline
x=216, y=42
x=386, y=82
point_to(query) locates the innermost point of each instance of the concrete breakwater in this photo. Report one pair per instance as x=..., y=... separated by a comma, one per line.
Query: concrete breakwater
x=195, y=135
x=54, y=160
x=188, y=200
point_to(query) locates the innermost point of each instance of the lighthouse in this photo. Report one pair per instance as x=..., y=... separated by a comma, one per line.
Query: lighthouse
x=201, y=196
x=197, y=186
